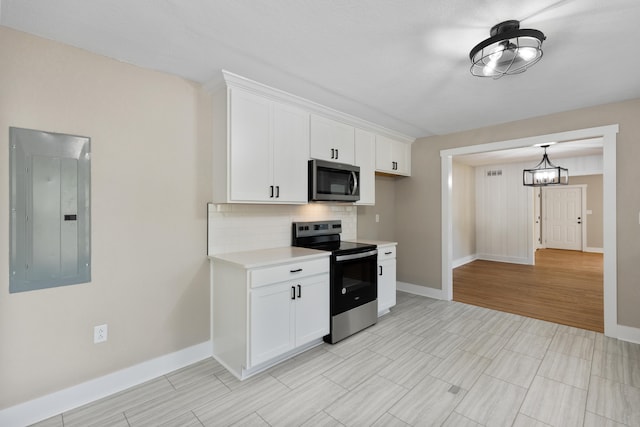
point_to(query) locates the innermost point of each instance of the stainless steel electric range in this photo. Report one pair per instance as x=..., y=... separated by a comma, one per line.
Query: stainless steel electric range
x=354, y=282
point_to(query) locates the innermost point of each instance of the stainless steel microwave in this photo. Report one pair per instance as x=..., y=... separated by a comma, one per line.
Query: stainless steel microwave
x=333, y=182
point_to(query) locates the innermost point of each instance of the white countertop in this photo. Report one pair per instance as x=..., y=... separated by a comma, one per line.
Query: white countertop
x=267, y=257
x=378, y=243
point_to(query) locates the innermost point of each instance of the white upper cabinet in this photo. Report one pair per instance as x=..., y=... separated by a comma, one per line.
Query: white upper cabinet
x=332, y=140
x=393, y=157
x=268, y=147
x=290, y=153
x=366, y=160
x=263, y=139
x=250, y=148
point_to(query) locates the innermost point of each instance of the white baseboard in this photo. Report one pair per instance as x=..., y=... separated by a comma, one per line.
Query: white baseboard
x=64, y=400
x=420, y=290
x=628, y=333
x=509, y=259
x=464, y=260
x=594, y=250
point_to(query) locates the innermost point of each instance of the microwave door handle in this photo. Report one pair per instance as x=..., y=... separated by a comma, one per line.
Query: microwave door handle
x=355, y=182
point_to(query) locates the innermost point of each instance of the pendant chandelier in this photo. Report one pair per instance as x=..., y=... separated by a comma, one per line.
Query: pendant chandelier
x=509, y=50
x=545, y=173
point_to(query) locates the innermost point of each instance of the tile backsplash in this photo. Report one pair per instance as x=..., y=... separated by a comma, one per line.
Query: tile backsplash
x=234, y=228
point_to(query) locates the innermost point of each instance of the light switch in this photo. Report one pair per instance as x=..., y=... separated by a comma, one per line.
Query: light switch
x=377, y=218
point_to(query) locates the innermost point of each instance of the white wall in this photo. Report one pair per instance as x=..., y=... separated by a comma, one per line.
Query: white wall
x=237, y=227
x=504, y=214
x=463, y=206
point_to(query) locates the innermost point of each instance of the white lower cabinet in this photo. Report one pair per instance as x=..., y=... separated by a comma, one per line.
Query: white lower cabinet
x=272, y=323
x=287, y=315
x=266, y=314
x=386, y=278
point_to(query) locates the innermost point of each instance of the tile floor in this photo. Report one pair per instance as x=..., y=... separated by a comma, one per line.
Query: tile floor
x=427, y=363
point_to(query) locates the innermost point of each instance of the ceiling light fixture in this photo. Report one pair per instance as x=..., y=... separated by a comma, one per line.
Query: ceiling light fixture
x=509, y=50
x=545, y=173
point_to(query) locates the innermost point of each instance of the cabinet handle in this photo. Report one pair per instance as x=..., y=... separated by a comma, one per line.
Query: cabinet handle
x=277, y=191
x=380, y=267
x=333, y=151
x=293, y=292
x=297, y=270
x=271, y=190
x=337, y=154
x=299, y=291
x=388, y=253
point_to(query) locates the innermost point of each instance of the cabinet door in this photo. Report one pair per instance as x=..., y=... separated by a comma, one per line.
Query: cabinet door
x=272, y=322
x=366, y=159
x=384, y=159
x=386, y=284
x=392, y=156
x=250, y=153
x=290, y=153
x=401, y=154
x=332, y=140
x=312, y=309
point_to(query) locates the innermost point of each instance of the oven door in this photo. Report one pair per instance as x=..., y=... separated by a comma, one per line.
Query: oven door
x=354, y=280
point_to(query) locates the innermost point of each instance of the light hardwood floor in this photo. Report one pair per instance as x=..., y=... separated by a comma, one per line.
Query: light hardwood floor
x=564, y=287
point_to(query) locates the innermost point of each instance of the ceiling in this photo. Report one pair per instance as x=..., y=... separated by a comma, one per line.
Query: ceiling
x=402, y=64
x=556, y=150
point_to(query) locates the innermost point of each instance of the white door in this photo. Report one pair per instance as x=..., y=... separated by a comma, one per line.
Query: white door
x=290, y=153
x=400, y=155
x=272, y=322
x=332, y=140
x=312, y=309
x=386, y=284
x=366, y=159
x=250, y=150
x=563, y=217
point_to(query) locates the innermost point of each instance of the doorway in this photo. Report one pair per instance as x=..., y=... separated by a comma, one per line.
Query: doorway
x=608, y=135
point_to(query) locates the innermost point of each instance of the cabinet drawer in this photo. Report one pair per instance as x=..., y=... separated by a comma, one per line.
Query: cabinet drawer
x=292, y=271
x=386, y=252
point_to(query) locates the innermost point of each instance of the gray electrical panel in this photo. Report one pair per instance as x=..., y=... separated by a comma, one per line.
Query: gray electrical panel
x=50, y=212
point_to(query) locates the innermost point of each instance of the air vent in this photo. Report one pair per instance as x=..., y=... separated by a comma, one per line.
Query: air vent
x=497, y=172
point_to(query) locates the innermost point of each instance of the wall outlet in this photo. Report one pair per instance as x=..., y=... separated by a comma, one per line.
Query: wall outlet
x=100, y=333
x=377, y=218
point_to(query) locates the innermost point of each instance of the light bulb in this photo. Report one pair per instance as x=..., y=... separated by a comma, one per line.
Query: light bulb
x=490, y=68
x=496, y=54
x=527, y=53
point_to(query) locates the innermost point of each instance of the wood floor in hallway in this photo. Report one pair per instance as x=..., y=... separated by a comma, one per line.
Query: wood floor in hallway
x=564, y=287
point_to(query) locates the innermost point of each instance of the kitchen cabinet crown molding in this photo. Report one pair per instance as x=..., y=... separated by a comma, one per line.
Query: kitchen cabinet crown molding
x=230, y=79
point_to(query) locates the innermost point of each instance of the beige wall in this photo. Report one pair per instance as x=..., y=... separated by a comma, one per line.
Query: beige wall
x=418, y=218
x=463, y=206
x=150, y=183
x=385, y=207
x=594, y=203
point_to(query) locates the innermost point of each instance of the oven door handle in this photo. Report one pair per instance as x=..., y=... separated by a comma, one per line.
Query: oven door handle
x=356, y=256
